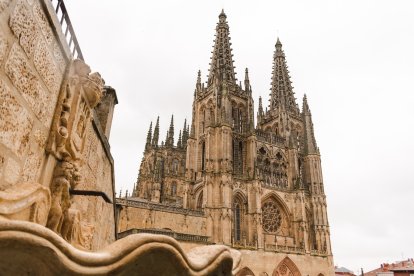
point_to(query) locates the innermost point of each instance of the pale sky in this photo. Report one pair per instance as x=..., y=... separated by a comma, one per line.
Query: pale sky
x=353, y=59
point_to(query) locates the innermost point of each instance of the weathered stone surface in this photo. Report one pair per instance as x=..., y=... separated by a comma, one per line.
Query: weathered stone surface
x=24, y=78
x=2, y=161
x=26, y=201
x=3, y=48
x=4, y=4
x=24, y=27
x=43, y=61
x=15, y=121
x=12, y=172
x=60, y=60
x=43, y=23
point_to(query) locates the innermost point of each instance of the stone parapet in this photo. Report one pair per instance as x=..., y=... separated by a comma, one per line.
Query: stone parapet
x=175, y=235
x=159, y=207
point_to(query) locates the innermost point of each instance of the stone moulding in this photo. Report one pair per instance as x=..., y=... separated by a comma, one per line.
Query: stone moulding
x=29, y=248
x=26, y=201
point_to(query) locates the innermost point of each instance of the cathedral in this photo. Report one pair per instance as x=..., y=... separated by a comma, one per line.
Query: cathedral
x=256, y=187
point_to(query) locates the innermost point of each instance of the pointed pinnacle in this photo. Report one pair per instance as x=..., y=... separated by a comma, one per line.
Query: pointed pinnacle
x=278, y=43
x=246, y=74
x=199, y=77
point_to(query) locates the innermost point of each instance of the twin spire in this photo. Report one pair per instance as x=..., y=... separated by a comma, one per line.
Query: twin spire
x=221, y=66
x=282, y=95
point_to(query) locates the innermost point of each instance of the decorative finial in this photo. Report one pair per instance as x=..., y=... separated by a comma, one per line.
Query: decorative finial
x=199, y=76
x=278, y=43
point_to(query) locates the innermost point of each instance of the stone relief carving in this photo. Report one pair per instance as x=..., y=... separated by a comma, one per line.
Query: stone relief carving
x=25, y=201
x=23, y=77
x=43, y=61
x=43, y=24
x=24, y=27
x=15, y=123
x=82, y=91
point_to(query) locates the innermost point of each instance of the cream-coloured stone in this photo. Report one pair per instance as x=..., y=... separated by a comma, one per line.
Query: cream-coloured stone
x=12, y=171
x=15, y=122
x=4, y=4
x=24, y=27
x=134, y=255
x=3, y=48
x=2, y=161
x=57, y=53
x=43, y=61
x=28, y=201
x=25, y=80
x=43, y=23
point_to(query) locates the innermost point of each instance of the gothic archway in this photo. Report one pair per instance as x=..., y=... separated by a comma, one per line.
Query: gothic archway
x=286, y=268
x=245, y=272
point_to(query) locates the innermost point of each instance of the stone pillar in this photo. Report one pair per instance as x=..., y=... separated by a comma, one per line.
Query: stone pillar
x=105, y=109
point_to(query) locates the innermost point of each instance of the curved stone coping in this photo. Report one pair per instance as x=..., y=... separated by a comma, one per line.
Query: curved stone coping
x=29, y=248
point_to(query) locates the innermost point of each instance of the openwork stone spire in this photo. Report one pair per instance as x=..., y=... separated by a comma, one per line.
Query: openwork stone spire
x=221, y=66
x=156, y=133
x=149, y=137
x=282, y=94
x=310, y=141
x=169, y=141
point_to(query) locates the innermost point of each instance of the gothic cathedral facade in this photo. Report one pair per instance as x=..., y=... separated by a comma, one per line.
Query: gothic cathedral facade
x=256, y=188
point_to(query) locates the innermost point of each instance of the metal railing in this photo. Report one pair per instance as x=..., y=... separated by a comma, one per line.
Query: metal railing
x=67, y=28
x=175, y=235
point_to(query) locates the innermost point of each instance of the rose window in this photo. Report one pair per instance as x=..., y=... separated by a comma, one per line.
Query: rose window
x=271, y=217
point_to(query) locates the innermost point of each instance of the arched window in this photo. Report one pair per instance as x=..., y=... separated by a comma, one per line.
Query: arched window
x=240, y=121
x=237, y=157
x=237, y=218
x=271, y=216
x=199, y=205
x=203, y=156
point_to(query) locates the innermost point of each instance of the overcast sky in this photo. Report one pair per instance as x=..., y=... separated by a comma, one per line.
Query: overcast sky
x=353, y=59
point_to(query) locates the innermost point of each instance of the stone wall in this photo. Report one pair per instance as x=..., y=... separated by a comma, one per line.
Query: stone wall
x=140, y=217
x=32, y=66
x=261, y=262
x=36, y=74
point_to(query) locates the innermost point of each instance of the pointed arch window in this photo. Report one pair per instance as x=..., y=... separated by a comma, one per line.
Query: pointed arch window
x=238, y=218
x=199, y=204
x=237, y=222
x=203, y=156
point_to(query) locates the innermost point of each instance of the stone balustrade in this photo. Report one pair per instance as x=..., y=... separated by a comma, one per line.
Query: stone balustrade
x=175, y=235
x=159, y=207
x=284, y=248
x=269, y=138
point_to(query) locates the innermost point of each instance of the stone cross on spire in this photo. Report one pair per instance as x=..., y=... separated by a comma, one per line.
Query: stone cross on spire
x=221, y=65
x=282, y=94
